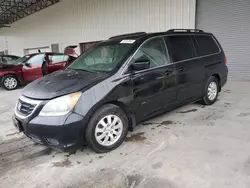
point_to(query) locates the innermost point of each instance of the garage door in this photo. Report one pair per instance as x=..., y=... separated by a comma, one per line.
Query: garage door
x=35, y=50
x=230, y=23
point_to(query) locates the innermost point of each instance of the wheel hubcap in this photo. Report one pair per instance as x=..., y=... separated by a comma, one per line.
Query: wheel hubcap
x=10, y=83
x=108, y=130
x=212, y=91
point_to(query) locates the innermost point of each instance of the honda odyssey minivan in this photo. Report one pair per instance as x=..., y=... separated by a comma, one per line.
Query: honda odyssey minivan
x=117, y=84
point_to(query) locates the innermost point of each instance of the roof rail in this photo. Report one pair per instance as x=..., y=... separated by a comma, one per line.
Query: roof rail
x=185, y=30
x=129, y=35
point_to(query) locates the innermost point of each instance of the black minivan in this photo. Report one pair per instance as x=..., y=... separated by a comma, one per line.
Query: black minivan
x=118, y=83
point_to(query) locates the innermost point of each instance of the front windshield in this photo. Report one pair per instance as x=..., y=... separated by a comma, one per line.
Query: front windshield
x=21, y=60
x=103, y=57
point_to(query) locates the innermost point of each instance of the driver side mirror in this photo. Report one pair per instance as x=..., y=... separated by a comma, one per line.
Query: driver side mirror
x=27, y=64
x=140, y=65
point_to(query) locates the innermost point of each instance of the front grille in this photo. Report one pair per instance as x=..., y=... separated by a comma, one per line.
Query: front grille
x=25, y=108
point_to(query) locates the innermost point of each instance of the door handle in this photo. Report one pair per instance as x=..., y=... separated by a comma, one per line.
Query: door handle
x=160, y=77
x=182, y=69
x=168, y=72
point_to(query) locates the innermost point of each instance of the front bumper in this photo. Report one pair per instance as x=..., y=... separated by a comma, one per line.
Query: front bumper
x=57, y=132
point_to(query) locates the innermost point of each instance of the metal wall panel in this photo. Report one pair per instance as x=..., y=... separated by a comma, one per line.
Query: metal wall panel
x=230, y=23
x=3, y=44
x=74, y=21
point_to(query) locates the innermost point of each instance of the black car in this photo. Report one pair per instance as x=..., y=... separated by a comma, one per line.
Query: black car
x=118, y=83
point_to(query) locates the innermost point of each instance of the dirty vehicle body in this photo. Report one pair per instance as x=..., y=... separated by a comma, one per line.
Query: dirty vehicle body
x=31, y=67
x=118, y=83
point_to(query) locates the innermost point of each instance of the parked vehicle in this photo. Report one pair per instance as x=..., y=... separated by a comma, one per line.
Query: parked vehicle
x=119, y=83
x=31, y=67
x=7, y=59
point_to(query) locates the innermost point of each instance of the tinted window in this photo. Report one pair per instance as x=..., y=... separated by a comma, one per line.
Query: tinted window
x=36, y=60
x=153, y=50
x=206, y=45
x=181, y=47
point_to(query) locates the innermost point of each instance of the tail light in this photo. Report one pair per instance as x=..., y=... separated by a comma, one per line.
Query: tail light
x=225, y=60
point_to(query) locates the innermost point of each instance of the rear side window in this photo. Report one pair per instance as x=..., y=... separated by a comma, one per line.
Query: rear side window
x=8, y=59
x=58, y=58
x=181, y=47
x=206, y=45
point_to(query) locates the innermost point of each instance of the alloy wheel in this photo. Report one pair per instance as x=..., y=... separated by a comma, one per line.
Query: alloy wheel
x=108, y=130
x=212, y=91
x=10, y=83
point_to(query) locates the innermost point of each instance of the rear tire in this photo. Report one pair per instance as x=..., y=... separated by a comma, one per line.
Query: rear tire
x=107, y=129
x=211, y=91
x=10, y=82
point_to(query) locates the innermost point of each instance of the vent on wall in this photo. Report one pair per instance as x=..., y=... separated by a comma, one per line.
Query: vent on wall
x=55, y=47
x=5, y=52
x=25, y=51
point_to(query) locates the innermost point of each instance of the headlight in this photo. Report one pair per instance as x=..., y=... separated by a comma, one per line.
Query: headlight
x=61, y=105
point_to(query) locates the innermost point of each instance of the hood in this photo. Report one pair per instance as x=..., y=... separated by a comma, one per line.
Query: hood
x=4, y=66
x=61, y=83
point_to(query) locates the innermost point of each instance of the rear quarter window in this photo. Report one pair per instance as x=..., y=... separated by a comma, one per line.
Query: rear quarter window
x=206, y=45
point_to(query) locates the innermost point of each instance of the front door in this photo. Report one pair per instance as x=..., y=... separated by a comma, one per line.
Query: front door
x=153, y=88
x=32, y=69
x=57, y=62
x=190, y=71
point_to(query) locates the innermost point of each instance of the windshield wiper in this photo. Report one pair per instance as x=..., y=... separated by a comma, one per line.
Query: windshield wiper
x=83, y=70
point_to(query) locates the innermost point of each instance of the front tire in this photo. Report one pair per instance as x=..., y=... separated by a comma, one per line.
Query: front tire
x=107, y=129
x=211, y=91
x=10, y=82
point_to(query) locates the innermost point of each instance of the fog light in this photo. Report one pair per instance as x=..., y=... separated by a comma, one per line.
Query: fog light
x=34, y=138
x=52, y=141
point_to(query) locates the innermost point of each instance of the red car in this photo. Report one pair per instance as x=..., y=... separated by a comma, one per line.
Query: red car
x=31, y=67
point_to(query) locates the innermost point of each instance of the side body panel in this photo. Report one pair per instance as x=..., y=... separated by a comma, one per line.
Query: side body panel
x=190, y=79
x=55, y=66
x=214, y=64
x=33, y=71
x=16, y=70
x=52, y=67
x=190, y=73
x=153, y=91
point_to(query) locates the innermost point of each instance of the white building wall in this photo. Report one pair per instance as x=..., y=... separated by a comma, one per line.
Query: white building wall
x=73, y=21
x=3, y=44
